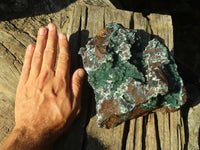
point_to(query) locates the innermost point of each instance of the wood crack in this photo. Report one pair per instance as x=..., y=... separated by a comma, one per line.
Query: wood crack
x=131, y=23
x=144, y=131
x=148, y=27
x=104, y=22
x=86, y=17
x=157, y=132
x=16, y=39
x=15, y=58
x=21, y=30
x=125, y=134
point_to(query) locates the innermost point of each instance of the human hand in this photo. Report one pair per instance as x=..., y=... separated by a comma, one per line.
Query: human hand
x=47, y=100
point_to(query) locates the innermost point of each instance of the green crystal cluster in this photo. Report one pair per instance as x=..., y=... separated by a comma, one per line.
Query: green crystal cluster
x=120, y=70
x=172, y=91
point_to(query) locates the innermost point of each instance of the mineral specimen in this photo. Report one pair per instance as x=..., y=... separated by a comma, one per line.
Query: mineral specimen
x=128, y=80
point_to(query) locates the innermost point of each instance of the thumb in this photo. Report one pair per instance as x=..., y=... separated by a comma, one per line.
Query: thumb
x=77, y=83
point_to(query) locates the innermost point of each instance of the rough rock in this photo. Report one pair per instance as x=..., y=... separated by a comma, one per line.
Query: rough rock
x=130, y=81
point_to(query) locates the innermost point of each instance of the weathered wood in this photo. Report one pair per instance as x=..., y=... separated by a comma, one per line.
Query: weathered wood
x=81, y=22
x=194, y=127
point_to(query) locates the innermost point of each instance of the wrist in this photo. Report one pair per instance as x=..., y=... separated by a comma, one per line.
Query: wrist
x=29, y=139
x=27, y=132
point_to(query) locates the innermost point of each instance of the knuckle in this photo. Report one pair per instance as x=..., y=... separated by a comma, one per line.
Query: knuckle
x=26, y=68
x=41, y=40
x=64, y=58
x=26, y=88
x=77, y=83
x=52, y=97
x=42, y=78
x=64, y=46
x=26, y=91
x=49, y=51
x=37, y=55
x=61, y=82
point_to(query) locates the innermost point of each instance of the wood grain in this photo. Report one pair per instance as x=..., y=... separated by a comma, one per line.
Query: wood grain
x=80, y=22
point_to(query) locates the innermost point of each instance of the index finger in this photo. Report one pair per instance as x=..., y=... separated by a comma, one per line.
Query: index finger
x=63, y=65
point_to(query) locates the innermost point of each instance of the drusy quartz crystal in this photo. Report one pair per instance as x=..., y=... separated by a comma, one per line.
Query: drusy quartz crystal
x=130, y=80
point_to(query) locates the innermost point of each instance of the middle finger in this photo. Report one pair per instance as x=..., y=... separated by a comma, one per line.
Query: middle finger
x=50, y=52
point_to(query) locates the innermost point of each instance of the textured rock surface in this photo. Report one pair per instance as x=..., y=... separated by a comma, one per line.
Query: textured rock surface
x=130, y=81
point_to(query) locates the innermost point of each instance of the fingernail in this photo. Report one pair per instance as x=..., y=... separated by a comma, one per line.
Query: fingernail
x=42, y=31
x=62, y=36
x=81, y=73
x=30, y=47
x=51, y=27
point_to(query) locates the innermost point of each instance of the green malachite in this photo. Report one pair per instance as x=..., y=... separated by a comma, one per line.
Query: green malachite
x=127, y=77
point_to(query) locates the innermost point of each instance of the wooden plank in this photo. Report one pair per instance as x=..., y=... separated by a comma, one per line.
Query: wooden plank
x=130, y=142
x=138, y=134
x=161, y=25
x=150, y=140
x=95, y=20
x=80, y=22
x=144, y=132
x=118, y=16
x=194, y=127
x=111, y=138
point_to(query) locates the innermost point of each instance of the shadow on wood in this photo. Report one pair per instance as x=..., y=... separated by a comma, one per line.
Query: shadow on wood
x=191, y=82
x=93, y=144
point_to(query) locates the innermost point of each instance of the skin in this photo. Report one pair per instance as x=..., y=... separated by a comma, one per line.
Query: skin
x=47, y=99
